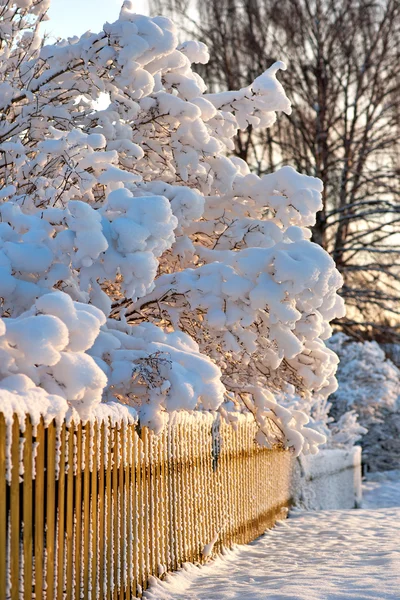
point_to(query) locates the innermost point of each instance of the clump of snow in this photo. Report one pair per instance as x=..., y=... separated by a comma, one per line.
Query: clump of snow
x=136, y=258
x=42, y=354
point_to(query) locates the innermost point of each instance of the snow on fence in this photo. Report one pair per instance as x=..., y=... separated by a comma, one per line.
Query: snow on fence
x=91, y=511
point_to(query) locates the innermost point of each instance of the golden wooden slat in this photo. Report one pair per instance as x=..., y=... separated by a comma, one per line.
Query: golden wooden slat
x=207, y=519
x=195, y=482
x=167, y=501
x=78, y=511
x=101, y=510
x=61, y=516
x=135, y=512
x=176, y=497
x=179, y=491
x=145, y=507
x=39, y=510
x=225, y=485
x=50, y=509
x=158, y=522
x=250, y=520
x=226, y=462
x=86, y=514
x=94, y=515
x=150, y=503
x=243, y=473
x=219, y=492
x=111, y=433
x=70, y=513
x=224, y=508
x=186, y=494
x=161, y=493
x=128, y=513
x=122, y=516
x=3, y=508
x=194, y=445
x=14, y=511
x=254, y=515
x=201, y=448
x=27, y=510
x=261, y=487
x=139, y=513
x=231, y=474
x=157, y=556
x=194, y=442
x=210, y=499
x=250, y=483
x=115, y=513
x=190, y=487
x=172, y=544
x=152, y=541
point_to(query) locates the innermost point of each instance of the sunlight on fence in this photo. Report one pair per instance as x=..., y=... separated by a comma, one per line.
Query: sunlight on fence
x=91, y=511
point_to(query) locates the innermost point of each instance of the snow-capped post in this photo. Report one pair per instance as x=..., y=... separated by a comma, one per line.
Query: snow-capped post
x=137, y=259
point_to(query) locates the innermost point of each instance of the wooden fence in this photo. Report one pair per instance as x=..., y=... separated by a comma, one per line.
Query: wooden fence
x=91, y=511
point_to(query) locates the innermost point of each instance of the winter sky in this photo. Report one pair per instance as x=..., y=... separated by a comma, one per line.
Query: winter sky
x=74, y=17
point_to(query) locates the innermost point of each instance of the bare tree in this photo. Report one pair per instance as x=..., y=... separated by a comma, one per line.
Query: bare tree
x=343, y=79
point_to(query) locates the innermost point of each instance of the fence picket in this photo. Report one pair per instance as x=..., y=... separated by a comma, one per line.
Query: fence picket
x=39, y=510
x=61, y=517
x=27, y=510
x=110, y=435
x=50, y=509
x=70, y=514
x=78, y=511
x=15, y=528
x=94, y=516
x=101, y=513
x=3, y=509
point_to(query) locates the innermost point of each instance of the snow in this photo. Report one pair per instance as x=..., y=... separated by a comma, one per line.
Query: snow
x=320, y=555
x=382, y=489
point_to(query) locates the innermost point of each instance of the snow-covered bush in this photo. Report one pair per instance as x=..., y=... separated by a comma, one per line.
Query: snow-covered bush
x=342, y=433
x=145, y=262
x=369, y=386
x=368, y=381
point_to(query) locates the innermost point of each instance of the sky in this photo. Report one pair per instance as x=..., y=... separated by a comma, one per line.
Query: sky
x=74, y=17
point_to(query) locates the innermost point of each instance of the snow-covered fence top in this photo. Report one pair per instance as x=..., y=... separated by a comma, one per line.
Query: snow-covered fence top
x=94, y=510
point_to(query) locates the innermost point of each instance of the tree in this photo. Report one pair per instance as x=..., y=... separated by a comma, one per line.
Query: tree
x=137, y=260
x=343, y=81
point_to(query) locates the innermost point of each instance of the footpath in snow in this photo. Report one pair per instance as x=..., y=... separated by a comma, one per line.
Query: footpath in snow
x=324, y=555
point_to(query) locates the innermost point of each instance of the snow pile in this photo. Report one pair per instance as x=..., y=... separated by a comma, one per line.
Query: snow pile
x=182, y=279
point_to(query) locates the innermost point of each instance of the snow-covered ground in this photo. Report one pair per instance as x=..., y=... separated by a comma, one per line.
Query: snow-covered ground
x=322, y=555
x=382, y=490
